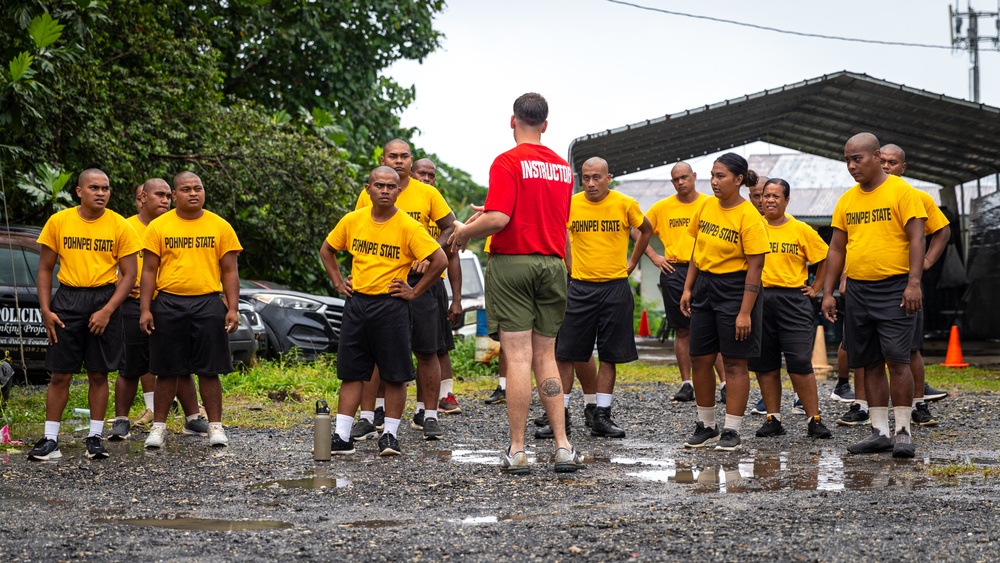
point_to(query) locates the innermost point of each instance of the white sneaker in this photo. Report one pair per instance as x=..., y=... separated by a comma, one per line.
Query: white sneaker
x=217, y=435
x=157, y=436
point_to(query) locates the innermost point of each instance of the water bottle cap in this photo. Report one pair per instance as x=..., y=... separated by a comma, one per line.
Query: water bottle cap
x=322, y=407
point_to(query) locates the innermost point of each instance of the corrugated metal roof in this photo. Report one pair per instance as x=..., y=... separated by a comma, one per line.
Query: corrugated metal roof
x=947, y=140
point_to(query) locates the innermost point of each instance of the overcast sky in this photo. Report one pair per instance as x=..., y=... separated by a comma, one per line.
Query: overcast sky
x=602, y=65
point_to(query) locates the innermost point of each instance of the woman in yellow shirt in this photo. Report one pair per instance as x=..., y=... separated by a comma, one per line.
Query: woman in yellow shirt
x=720, y=296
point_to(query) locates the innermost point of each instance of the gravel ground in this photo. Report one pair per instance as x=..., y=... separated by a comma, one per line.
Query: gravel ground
x=644, y=497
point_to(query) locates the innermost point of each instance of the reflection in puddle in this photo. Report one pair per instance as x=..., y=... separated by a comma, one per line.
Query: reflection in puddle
x=485, y=457
x=308, y=483
x=476, y=520
x=205, y=524
x=377, y=523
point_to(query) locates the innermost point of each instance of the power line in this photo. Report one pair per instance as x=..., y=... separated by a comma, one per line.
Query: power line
x=785, y=31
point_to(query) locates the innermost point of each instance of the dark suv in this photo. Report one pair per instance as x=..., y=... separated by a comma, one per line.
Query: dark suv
x=22, y=333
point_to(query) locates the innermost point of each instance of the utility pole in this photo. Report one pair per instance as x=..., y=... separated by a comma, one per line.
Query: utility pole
x=972, y=38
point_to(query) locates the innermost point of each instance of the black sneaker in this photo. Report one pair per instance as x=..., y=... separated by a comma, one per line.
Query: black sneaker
x=196, y=427
x=932, y=394
x=120, y=430
x=902, y=445
x=541, y=420
x=418, y=420
x=339, y=447
x=363, y=430
x=45, y=449
x=604, y=426
x=388, y=445
x=816, y=429
x=432, y=430
x=95, y=447
x=843, y=393
x=772, y=427
x=702, y=435
x=499, y=396
x=545, y=432
x=685, y=394
x=588, y=415
x=854, y=416
x=722, y=394
x=729, y=441
x=379, y=418
x=921, y=415
x=873, y=444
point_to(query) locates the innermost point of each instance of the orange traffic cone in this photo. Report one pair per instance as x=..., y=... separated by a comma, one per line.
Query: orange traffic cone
x=954, y=357
x=644, y=325
x=819, y=360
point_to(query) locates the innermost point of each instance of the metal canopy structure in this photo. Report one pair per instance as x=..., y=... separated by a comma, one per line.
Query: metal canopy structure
x=947, y=141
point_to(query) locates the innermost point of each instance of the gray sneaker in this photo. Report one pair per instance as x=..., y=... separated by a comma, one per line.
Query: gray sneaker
x=196, y=427
x=515, y=464
x=702, y=435
x=363, y=430
x=432, y=430
x=873, y=444
x=729, y=441
x=902, y=446
x=119, y=430
x=568, y=461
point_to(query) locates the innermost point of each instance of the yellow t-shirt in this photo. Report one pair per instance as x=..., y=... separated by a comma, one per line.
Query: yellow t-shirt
x=599, y=235
x=935, y=217
x=725, y=237
x=794, y=246
x=89, y=251
x=670, y=219
x=382, y=251
x=875, y=223
x=190, y=251
x=421, y=201
x=140, y=229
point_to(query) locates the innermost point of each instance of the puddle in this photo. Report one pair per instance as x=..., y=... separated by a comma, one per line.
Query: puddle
x=477, y=520
x=308, y=483
x=204, y=524
x=484, y=457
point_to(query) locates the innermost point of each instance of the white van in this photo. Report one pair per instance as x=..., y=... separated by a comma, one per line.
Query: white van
x=473, y=292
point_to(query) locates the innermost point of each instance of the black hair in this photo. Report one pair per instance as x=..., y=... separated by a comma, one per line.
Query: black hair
x=531, y=109
x=738, y=166
x=784, y=186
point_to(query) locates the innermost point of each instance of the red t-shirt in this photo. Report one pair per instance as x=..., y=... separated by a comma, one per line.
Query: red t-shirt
x=533, y=186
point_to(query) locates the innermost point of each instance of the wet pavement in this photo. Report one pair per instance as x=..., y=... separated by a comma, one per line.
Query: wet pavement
x=643, y=497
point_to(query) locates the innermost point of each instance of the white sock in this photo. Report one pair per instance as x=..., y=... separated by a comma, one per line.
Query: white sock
x=369, y=416
x=52, y=430
x=566, y=401
x=733, y=422
x=774, y=415
x=192, y=417
x=121, y=418
x=589, y=399
x=218, y=425
x=863, y=405
x=503, y=383
x=916, y=401
x=430, y=413
x=380, y=403
x=148, y=399
x=880, y=419
x=604, y=400
x=707, y=416
x=445, y=388
x=721, y=385
x=420, y=407
x=162, y=425
x=391, y=426
x=688, y=383
x=96, y=428
x=344, y=423
x=902, y=415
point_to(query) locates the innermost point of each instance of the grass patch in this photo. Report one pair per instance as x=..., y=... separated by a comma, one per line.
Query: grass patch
x=963, y=379
x=963, y=470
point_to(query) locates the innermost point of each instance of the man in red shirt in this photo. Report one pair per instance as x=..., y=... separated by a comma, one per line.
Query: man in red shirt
x=526, y=211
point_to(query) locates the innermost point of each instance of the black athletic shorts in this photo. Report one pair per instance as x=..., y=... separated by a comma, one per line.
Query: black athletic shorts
x=136, y=342
x=426, y=330
x=600, y=311
x=672, y=288
x=449, y=338
x=189, y=336
x=876, y=328
x=76, y=346
x=372, y=334
x=789, y=327
x=715, y=304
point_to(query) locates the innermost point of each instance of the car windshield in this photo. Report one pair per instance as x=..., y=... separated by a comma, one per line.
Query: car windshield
x=18, y=266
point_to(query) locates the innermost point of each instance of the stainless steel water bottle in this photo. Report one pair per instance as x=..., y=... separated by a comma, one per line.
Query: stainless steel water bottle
x=322, y=432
